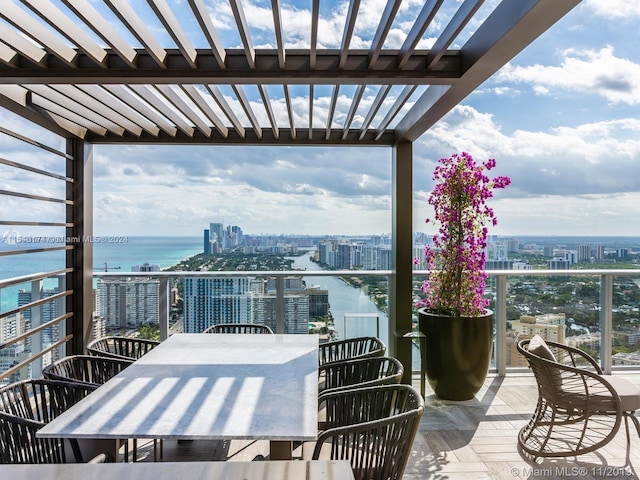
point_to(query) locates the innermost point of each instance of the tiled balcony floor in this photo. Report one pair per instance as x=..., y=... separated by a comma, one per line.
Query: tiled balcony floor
x=475, y=439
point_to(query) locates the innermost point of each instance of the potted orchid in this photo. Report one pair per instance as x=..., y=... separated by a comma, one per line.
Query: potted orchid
x=453, y=313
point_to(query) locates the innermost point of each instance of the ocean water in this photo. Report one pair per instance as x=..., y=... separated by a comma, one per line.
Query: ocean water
x=117, y=256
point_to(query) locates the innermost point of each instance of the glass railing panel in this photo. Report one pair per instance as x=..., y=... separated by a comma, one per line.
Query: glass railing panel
x=625, y=348
x=559, y=308
x=33, y=326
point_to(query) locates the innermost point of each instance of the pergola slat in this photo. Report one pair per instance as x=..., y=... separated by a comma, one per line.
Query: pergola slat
x=459, y=20
x=348, y=30
x=21, y=20
x=352, y=110
x=243, y=29
x=54, y=108
x=402, y=98
x=384, y=26
x=197, y=98
x=67, y=28
x=226, y=109
x=310, y=111
x=77, y=107
x=137, y=110
x=151, y=96
x=81, y=52
x=332, y=109
x=209, y=31
x=510, y=27
x=184, y=108
x=8, y=55
x=138, y=29
x=287, y=98
x=244, y=102
x=20, y=44
x=277, y=25
x=375, y=106
x=103, y=29
x=100, y=108
x=421, y=24
x=267, y=105
x=313, y=40
x=170, y=22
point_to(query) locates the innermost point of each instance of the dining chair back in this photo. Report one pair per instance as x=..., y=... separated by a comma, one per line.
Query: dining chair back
x=372, y=427
x=85, y=369
x=26, y=407
x=350, y=349
x=121, y=347
x=239, y=328
x=362, y=372
x=579, y=409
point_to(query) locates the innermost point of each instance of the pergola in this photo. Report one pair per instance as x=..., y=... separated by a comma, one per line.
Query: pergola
x=98, y=73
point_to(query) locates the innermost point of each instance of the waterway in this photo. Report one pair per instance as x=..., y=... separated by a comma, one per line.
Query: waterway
x=354, y=313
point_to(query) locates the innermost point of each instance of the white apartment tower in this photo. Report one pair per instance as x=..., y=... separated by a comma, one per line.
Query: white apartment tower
x=214, y=300
x=128, y=301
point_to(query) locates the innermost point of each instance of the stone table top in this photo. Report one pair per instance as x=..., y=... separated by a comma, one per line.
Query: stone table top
x=205, y=386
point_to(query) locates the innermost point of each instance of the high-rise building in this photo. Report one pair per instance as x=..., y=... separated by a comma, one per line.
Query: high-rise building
x=127, y=301
x=215, y=300
x=207, y=243
x=216, y=238
x=550, y=326
x=146, y=267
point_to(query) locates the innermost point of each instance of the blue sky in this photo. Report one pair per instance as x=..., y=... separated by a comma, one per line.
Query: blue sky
x=562, y=120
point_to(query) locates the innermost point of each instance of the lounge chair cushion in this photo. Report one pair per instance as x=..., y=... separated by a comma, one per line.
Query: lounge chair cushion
x=539, y=347
x=628, y=392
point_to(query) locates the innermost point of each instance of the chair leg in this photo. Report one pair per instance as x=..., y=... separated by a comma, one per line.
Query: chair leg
x=635, y=421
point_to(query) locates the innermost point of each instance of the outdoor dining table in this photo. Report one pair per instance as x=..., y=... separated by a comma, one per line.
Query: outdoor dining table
x=206, y=386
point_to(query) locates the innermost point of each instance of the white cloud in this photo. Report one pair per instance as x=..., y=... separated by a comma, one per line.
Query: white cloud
x=593, y=72
x=614, y=8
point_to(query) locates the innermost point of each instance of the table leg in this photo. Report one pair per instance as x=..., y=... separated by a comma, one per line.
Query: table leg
x=280, y=450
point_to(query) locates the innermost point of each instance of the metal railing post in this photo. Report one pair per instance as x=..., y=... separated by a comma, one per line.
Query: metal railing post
x=606, y=322
x=164, y=307
x=501, y=324
x=280, y=310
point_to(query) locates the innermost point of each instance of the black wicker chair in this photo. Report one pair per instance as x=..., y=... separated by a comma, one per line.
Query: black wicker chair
x=88, y=369
x=121, y=347
x=373, y=427
x=350, y=349
x=362, y=372
x=579, y=409
x=238, y=328
x=26, y=407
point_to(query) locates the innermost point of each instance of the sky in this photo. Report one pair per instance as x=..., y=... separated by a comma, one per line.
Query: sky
x=562, y=120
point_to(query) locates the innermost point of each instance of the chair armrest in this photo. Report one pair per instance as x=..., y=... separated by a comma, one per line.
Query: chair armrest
x=574, y=354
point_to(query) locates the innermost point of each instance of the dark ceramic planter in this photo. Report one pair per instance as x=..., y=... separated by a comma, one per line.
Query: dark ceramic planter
x=458, y=352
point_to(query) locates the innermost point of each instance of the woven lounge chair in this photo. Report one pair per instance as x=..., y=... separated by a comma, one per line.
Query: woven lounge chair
x=121, y=347
x=26, y=407
x=238, y=328
x=350, y=349
x=579, y=409
x=362, y=372
x=89, y=369
x=372, y=427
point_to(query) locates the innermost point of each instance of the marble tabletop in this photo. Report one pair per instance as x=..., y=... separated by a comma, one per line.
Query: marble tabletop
x=205, y=386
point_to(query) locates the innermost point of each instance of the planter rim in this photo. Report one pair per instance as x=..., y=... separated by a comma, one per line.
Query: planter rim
x=425, y=311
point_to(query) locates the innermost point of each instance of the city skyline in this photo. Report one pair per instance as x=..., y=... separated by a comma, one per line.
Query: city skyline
x=562, y=120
